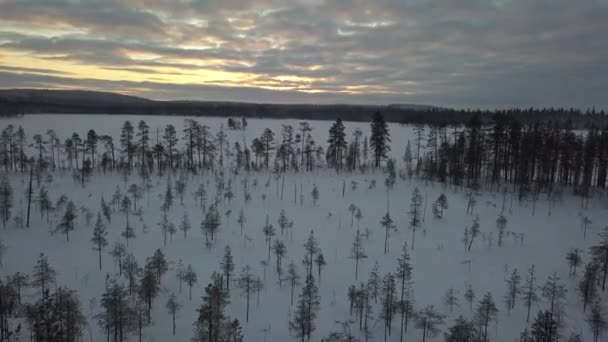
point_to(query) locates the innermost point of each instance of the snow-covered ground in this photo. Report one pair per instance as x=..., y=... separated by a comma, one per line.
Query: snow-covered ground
x=439, y=259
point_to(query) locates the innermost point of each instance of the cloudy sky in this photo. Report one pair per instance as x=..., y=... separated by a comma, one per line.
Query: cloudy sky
x=462, y=53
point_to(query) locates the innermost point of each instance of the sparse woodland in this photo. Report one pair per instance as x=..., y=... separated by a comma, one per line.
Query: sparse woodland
x=477, y=232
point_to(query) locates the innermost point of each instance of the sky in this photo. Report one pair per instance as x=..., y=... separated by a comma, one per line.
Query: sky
x=458, y=53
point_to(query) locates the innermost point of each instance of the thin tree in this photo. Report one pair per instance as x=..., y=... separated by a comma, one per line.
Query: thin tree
x=450, y=299
x=529, y=294
x=246, y=285
x=388, y=225
x=513, y=289
x=574, y=260
x=486, y=313
x=597, y=320
x=429, y=321
x=357, y=252
x=99, y=238
x=415, y=214
x=293, y=278
x=67, y=220
x=587, y=286
x=320, y=261
x=190, y=278
x=43, y=275
x=227, y=266
x=173, y=306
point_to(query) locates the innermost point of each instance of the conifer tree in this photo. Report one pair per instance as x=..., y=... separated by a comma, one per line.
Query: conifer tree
x=357, y=252
x=303, y=322
x=190, y=278
x=574, y=260
x=43, y=275
x=529, y=294
x=99, y=239
x=587, y=286
x=388, y=225
x=485, y=314
x=227, y=266
x=173, y=306
x=184, y=225
x=320, y=261
x=597, y=320
x=415, y=213
x=293, y=278
x=117, y=252
x=379, y=139
x=67, y=220
x=429, y=321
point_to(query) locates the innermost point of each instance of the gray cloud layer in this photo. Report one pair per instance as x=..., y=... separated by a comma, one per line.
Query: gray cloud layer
x=488, y=53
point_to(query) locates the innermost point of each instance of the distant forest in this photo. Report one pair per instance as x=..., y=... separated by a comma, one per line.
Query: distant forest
x=18, y=102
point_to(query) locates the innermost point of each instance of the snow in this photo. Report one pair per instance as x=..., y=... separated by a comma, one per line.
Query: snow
x=439, y=259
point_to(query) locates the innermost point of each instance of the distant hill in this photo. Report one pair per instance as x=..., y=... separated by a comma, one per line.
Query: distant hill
x=26, y=101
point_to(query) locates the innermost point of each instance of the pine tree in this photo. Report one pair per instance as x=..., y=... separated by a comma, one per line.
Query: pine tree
x=279, y=250
x=450, y=299
x=211, y=318
x=241, y=219
x=597, y=320
x=190, y=278
x=513, y=289
x=148, y=287
x=439, y=206
x=311, y=248
x=126, y=141
x=379, y=139
x=389, y=302
x=415, y=213
x=374, y=282
x=283, y=221
x=99, y=239
x=67, y=220
x=315, y=195
x=404, y=274
x=574, y=260
x=293, y=278
x=6, y=200
x=429, y=321
x=473, y=232
x=117, y=252
x=388, y=225
x=600, y=253
x=159, y=264
x=118, y=316
x=43, y=275
x=554, y=292
x=303, y=322
x=501, y=224
x=211, y=223
x=486, y=313
x=184, y=225
x=227, y=266
x=269, y=233
x=587, y=286
x=246, y=285
x=529, y=294
x=320, y=261
x=469, y=296
x=173, y=306
x=131, y=271
x=357, y=252
x=461, y=331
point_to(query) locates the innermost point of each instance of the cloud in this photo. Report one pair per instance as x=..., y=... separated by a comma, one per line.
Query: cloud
x=490, y=53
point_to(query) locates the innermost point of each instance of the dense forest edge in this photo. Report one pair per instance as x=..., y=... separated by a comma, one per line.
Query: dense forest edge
x=14, y=102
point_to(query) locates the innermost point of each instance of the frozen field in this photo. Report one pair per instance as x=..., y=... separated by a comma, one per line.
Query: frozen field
x=439, y=258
